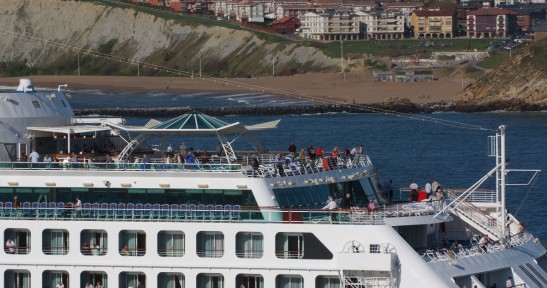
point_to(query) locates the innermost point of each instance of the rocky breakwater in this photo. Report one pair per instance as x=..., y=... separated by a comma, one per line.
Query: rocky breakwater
x=391, y=104
x=519, y=84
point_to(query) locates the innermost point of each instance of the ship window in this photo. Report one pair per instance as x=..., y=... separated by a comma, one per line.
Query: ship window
x=289, y=246
x=168, y=280
x=131, y=279
x=210, y=244
x=94, y=242
x=249, y=245
x=52, y=278
x=250, y=281
x=55, y=242
x=21, y=241
x=94, y=278
x=327, y=282
x=36, y=104
x=374, y=248
x=63, y=102
x=132, y=243
x=210, y=280
x=17, y=278
x=289, y=281
x=171, y=243
x=300, y=246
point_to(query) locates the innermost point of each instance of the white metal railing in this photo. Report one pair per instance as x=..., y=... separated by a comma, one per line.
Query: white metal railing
x=478, y=196
x=474, y=249
x=266, y=169
x=480, y=217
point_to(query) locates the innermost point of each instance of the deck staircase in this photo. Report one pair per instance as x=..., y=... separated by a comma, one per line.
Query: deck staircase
x=477, y=218
x=227, y=147
x=532, y=275
x=130, y=147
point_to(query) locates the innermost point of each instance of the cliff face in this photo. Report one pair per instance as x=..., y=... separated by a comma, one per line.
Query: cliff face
x=522, y=80
x=140, y=37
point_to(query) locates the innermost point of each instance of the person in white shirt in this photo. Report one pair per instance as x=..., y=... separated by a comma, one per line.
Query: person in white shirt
x=34, y=156
x=331, y=204
x=10, y=246
x=428, y=189
x=60, y=285
x=509, y=282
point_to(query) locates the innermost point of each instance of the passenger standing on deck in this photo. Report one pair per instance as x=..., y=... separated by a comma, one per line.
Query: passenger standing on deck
x=390, y=190
x=302, y=155
x=346, y=202
x=292, y=149
x=182, y=148
x=509, y=282
x=331, y=204
x=170, y=149
x=434, y=185
x=16, y=203
x=47, y=160
x=311, y=153
x=428, y=189
x=319, y=153
x=413, y=191
x=34, y=156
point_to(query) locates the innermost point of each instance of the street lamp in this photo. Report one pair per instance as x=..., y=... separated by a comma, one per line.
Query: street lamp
x=342, y=57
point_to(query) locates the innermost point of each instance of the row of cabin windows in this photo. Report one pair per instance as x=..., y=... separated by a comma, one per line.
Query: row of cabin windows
x=50, y=278
x=210, y=244
x=37, y=104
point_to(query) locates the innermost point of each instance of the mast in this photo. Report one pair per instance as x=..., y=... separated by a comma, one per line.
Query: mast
x=501, y=180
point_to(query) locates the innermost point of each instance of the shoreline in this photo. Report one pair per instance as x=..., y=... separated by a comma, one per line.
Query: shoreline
x=320, y=88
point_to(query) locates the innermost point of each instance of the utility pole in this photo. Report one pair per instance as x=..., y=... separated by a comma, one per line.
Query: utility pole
x=273, y=65
x=138, y=68
x=342, y=57
x=199, y=65
x=78, y=63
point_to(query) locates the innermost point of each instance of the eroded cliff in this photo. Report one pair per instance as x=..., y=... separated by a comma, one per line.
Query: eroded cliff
x=34, y=32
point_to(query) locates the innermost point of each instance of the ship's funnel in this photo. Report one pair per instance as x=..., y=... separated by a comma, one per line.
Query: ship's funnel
x=25, y=85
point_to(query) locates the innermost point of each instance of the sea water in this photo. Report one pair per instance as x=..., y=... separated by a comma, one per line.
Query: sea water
x=402, y=147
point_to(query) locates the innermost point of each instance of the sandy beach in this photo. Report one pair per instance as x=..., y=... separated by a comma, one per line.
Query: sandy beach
x=320, y=87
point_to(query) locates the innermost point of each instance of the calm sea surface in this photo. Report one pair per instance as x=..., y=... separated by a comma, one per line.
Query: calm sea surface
x=401, y=148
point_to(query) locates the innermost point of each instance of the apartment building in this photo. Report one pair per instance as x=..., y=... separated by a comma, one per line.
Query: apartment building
x=382, y=24
x=433, y=23
x=490, y=23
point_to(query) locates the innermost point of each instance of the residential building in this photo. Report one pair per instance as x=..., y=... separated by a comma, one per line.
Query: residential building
x=380, y=24
x=406, y=8
x=285, y=25
x=330, y=25
x=490, y=23
x=240, y=11
x=434, y=23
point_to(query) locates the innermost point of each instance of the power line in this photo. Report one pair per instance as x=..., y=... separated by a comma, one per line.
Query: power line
x=317, y=99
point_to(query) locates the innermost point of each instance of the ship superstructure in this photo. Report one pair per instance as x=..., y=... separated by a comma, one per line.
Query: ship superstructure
x=228, y=218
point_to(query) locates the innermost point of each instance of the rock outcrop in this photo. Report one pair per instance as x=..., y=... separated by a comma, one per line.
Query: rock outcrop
x=518, y=84
x=40, y=34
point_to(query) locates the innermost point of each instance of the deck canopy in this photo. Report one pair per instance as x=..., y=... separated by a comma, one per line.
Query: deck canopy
x=194, y=123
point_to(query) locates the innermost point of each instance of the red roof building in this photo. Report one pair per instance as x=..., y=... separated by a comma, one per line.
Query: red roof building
x=285, y=25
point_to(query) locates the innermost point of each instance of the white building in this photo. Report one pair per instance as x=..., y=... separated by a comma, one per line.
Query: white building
x=382, y=24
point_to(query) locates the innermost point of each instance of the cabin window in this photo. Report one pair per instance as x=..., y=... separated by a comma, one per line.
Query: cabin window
x=18, y=278
x=19, y=241
x=36, y=104
x=170, y=280
x=132, y=279
x=93, y=242
x=289, y=246
x=171, y=243
x=132, y=243
x=95, y=278
x=210, y=280
x=55, y=242
x=249, y=245
x=210, y=244
x=52, y=278
x=250, y=280
x=289, y=281
x=327, y=282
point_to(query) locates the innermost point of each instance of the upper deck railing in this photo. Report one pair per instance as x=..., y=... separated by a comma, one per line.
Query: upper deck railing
x=268, y=166
x=138, y=212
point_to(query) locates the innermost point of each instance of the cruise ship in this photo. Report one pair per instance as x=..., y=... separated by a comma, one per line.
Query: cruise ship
x=86, y=202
